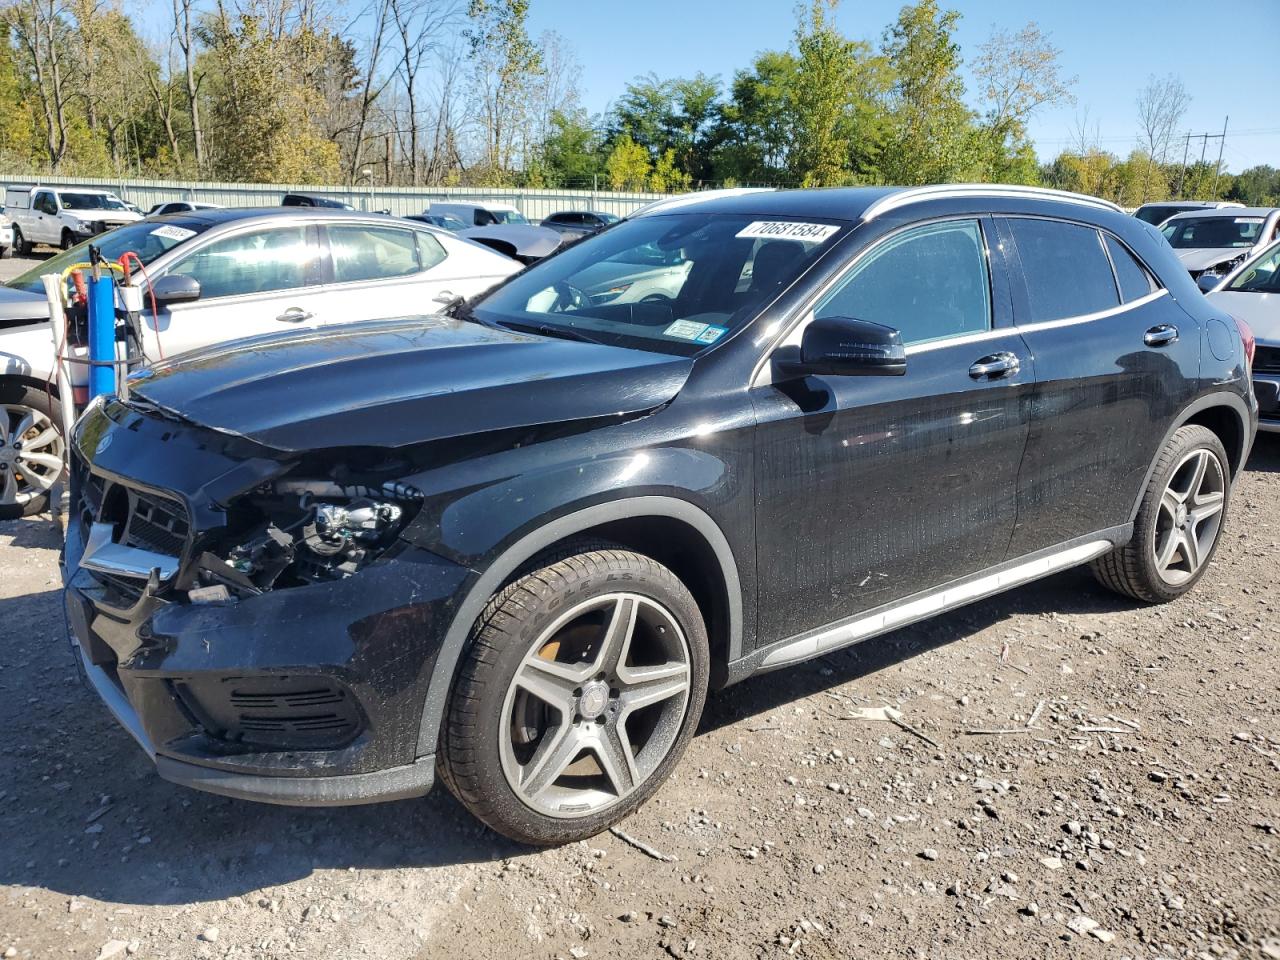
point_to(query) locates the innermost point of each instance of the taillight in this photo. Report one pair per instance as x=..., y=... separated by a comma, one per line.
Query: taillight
x=1250, y=342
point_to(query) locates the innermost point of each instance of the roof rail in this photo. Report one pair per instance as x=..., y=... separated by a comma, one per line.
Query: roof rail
x=941, y=191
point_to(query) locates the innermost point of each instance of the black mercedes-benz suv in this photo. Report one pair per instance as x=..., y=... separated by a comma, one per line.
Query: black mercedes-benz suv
x=517, y=544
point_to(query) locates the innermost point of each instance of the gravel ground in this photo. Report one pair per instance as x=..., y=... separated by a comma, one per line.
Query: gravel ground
x=15, y=265
x=1129, y=810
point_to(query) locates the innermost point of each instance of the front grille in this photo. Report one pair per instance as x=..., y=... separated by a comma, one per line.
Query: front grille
x=156, y=523
x=1266, y=360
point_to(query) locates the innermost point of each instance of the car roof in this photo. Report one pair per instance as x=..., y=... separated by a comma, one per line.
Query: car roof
x=1225, y=212
x=474, y=204
x=865, y=203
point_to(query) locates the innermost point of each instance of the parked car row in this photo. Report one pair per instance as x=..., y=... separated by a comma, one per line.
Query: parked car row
x=514, y=545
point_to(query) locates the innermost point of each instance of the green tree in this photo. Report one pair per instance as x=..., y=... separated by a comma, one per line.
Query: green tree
x=933, y=136
x=1257, y=187
x=17, y=126
x=757, y=121
x=835, y=101
x=627, y=165
x=505, y=64
x=572, y=154
x=667, y=176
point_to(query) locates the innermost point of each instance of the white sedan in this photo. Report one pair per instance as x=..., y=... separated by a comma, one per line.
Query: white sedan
x=220, y=275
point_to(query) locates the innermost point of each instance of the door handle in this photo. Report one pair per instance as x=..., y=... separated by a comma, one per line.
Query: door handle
x=997, y=366
x=295, y=315
x=1160, y=335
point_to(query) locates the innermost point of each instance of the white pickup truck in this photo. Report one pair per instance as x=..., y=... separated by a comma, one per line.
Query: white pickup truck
x=62, y=216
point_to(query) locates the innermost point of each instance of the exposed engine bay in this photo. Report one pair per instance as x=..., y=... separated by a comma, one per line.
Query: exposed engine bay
x=293, y=532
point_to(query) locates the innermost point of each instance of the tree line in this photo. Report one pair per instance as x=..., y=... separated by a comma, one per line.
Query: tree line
x=458, y=92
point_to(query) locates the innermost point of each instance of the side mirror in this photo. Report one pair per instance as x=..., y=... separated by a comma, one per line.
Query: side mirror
x=175, y=288
x=1208, y=282
x=844, y=347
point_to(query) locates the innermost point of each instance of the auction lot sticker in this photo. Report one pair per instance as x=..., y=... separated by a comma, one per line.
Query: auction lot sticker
x=787, y=230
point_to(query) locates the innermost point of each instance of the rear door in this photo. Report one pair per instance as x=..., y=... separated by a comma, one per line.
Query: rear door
x=257, y=280
x=870, y=489
x=1115, y=357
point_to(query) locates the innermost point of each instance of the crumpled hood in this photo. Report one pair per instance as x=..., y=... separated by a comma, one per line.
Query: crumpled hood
x=19, y=305
x=1197, y=260
x=1261, y=311
x=398, y=382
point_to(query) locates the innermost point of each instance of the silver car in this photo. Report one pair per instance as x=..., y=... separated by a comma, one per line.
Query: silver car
x=1217, y=241
x=217, y=275
x=1251, y=292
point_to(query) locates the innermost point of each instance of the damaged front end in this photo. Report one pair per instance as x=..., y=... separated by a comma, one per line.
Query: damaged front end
x=295, y=531
x=255, y=619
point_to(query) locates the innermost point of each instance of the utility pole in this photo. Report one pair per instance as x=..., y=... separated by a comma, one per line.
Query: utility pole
x=1213, y=194
x=1186, y=145
x=1204, y=144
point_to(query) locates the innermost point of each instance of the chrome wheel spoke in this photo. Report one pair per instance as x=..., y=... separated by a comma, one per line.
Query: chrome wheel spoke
x=26, y=423
x=1165, y=553
x=617, y=762
x=616, y=643
x=1169, y=503
x=552, y=683
x=1201, y=465
x=46, y=460
x=1206, y=508
x=559, y=747
x=1190, y=545
x=649, y=685
x=45, y=438
x=8, y=487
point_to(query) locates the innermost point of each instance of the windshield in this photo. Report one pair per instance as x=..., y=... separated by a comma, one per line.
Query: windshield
x=1206, y=233
x=85, y=201
x=147, y=239
x=607, y=217
x=1261, y=276
x=675, y=284
x=508, y=216
x=1156, y=214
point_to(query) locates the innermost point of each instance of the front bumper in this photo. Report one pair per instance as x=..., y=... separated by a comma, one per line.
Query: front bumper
x=309, y=695
x=1266, y=387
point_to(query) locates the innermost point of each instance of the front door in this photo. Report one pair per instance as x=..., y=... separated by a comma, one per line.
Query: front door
x=260, y=280
x=870, y=489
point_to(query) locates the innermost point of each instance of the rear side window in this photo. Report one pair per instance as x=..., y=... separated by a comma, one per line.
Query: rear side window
x=1065, y=268
x=430, y=250
x=1132, y=278
x=927, y=283
x=371, y=253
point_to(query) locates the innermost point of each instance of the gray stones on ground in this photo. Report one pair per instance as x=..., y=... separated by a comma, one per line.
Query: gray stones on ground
x=928, y=853
x=208, y=935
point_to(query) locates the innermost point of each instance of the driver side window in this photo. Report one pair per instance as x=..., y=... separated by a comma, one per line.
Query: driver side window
x=255, y=262
x=929, y=283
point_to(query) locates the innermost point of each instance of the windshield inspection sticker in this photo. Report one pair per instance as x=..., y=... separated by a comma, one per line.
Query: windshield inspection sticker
x=685, y=330
x=170, y=232
x=787, y=230
x=711, y=334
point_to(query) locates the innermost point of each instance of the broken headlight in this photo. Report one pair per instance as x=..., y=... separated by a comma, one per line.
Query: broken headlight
x=294, y=532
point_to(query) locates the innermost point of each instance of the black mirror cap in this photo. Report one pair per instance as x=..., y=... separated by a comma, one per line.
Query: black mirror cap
x=176, y=288
x=845, y=347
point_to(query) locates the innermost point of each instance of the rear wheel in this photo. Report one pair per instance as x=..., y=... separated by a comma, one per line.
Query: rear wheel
x=31, y=449
x=583, y=683
x=1179, y=522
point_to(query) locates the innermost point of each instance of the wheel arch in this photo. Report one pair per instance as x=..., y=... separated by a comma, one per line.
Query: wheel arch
x=1227, y=415
x=673, y=531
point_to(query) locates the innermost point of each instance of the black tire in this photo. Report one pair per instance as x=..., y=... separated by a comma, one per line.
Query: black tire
x=7, y=252
x=469, y=756
x=1132, y=570
x=20, y=245
x=68, y=240
x=17, y=393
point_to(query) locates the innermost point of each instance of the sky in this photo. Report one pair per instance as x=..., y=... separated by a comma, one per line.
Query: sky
x=1227, y=55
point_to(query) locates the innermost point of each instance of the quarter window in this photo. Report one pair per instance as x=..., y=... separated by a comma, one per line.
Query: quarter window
x=363, y=252
x=1133, y=279
x=1065, y=268
x=928, y=283
x=256, y=262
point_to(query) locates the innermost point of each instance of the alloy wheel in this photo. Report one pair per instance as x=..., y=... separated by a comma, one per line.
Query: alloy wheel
x=30, y=454
x=1190, y=516
x=596, y=705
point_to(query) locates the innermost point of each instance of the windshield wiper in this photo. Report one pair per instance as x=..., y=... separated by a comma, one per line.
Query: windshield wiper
x=547, y=330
